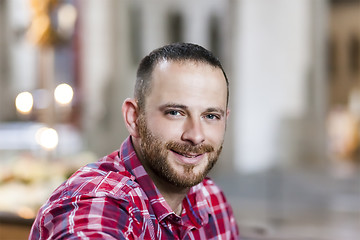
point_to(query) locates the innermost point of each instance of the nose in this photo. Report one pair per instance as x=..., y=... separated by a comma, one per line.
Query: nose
x=193, y=132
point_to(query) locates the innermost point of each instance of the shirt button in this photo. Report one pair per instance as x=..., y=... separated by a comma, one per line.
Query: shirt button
x=175, y=218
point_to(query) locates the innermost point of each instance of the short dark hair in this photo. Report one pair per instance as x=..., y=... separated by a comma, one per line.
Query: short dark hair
x=172, y=52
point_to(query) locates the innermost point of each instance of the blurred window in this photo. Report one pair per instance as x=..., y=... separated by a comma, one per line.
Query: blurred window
x=135, y=33
x=354, y=55
x=214, y=35
x=331, y=57
x=175, y=27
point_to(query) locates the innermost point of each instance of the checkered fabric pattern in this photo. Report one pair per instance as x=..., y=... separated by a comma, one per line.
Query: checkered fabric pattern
x=114, y=198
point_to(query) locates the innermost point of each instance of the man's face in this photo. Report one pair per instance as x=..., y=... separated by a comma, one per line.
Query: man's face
x=183, y=124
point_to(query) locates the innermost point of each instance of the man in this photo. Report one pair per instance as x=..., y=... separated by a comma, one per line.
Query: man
x=155, y=186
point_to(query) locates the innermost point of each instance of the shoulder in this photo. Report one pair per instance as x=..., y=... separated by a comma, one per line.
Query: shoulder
x=107, y=176
x=210, y=193
x=102, y=190
x=209, y=188
x=218, y=207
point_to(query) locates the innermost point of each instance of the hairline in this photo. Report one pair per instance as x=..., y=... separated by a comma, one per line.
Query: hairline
x=147, y=85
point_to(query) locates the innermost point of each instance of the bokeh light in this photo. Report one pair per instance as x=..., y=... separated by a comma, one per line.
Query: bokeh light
x=66, y=18
x=24, y=102
x=47, y=138
x=63, y=93
x=26, y=212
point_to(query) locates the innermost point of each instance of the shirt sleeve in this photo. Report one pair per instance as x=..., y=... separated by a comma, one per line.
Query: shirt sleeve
x=222, y=211
x=85, y=217
x=232, y=226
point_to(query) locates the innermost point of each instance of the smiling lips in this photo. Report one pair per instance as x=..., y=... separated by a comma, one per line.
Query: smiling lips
x=188, y=158
x=188, y=155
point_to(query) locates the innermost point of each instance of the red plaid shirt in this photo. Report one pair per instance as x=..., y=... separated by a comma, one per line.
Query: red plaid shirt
x=114, y=198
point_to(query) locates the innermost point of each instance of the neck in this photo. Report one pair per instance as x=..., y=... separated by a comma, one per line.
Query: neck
x=172, y=194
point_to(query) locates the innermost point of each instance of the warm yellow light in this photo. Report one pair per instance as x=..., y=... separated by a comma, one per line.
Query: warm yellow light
x=24, y=102
x=26, y=212
x=47, y=138
x=63, y=93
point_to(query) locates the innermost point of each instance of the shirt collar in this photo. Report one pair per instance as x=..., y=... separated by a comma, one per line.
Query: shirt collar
x=161, y=209
x=135, y=168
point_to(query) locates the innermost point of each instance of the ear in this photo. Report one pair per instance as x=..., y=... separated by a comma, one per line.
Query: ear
x=227, y=117
x=130, y=114
x=227, y=113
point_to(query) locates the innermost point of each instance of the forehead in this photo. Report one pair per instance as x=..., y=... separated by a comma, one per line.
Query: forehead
x=189, y=83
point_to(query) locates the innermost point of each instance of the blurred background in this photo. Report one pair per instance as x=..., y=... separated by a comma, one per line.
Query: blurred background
x=290, y=164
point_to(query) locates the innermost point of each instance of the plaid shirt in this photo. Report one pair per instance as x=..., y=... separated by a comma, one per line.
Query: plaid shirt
x=114, y=198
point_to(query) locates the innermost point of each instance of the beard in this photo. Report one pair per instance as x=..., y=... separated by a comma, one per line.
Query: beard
x=155, y=153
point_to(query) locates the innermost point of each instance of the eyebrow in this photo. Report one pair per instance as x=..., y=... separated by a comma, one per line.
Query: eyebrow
x=173, y=105
x=221, y=111
x=184, y=107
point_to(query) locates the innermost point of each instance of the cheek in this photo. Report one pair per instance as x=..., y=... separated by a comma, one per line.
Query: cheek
x=215, y=133
x=166, y=129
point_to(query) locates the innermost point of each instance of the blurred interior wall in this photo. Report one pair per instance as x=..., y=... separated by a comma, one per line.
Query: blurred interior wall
x=274, y=63
x=105, y=73
x=3, y=56
x=271, y=51
x=17, y=56
x=344, y=51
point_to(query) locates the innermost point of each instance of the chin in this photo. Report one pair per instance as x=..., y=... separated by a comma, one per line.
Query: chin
x=188, y=176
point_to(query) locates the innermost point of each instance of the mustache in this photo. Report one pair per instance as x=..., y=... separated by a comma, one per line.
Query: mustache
x=187, y=148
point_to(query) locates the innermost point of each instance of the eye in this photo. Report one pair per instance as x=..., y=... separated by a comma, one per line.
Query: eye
x=173, y=113
x=212, y=117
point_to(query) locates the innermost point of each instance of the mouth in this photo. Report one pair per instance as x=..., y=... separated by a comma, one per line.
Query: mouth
x=188, y=158
x=187, y=155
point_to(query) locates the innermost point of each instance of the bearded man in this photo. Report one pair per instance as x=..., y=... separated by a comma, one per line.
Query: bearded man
x=156, y=185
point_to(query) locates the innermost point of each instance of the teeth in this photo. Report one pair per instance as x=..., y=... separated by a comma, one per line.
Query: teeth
x=186, y=155
x=189, y=156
